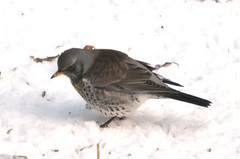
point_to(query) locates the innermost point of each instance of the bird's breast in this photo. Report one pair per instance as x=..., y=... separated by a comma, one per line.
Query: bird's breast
x=107, y=103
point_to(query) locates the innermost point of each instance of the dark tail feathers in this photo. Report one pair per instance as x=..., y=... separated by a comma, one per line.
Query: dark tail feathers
x=189, y=99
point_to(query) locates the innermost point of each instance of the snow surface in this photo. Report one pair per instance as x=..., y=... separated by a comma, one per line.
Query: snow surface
x=202, y=37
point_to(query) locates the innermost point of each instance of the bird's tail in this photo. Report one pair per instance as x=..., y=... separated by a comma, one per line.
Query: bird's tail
x=188, y=98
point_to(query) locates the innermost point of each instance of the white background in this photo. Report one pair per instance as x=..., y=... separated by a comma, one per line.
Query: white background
x=202, y=37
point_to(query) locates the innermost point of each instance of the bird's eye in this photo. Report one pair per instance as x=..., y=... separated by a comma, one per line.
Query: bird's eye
x=70, y=68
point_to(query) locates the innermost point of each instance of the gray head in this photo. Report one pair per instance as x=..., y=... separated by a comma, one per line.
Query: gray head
x=74, y=62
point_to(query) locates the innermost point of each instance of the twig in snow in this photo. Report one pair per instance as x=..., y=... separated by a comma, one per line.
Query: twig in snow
x=9, y=131
x=98, y=149
x=78, y=150
x=166, y=64
x=49, y=59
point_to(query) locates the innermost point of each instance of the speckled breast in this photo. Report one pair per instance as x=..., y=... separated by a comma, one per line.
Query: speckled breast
x=107, y=103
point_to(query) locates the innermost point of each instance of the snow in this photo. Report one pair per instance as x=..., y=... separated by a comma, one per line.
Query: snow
x=202, y=37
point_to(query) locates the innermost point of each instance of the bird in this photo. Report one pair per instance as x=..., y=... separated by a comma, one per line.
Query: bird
x=114, y=84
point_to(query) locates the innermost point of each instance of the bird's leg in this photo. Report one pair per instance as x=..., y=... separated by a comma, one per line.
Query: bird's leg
x=104, y=125
x=121, y=118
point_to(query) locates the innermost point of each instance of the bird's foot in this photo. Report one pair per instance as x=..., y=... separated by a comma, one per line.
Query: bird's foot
x=105, y=125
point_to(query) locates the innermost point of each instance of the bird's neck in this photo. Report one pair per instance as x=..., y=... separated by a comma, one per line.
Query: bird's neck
x=89, y=57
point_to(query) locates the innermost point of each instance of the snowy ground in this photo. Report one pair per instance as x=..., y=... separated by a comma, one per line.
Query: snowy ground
x=203, y=37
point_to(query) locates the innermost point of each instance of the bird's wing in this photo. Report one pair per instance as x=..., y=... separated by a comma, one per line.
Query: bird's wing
x=108, y=67
x=115, y=71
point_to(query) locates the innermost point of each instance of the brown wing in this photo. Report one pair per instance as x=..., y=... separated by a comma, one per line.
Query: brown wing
x=115, y=71
x=108, y=67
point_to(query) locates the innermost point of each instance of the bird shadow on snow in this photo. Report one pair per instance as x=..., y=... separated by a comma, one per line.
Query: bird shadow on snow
x=70, y=111
x=73, y=111
x=77, y=113
x=66, y=110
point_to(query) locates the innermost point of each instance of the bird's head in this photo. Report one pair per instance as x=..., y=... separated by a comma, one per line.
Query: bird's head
x=72, y=62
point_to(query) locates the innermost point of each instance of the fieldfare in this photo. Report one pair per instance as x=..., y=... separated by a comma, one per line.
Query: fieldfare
x=114, y=84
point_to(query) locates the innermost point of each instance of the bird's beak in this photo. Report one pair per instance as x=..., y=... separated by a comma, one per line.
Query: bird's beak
x=57, y=74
